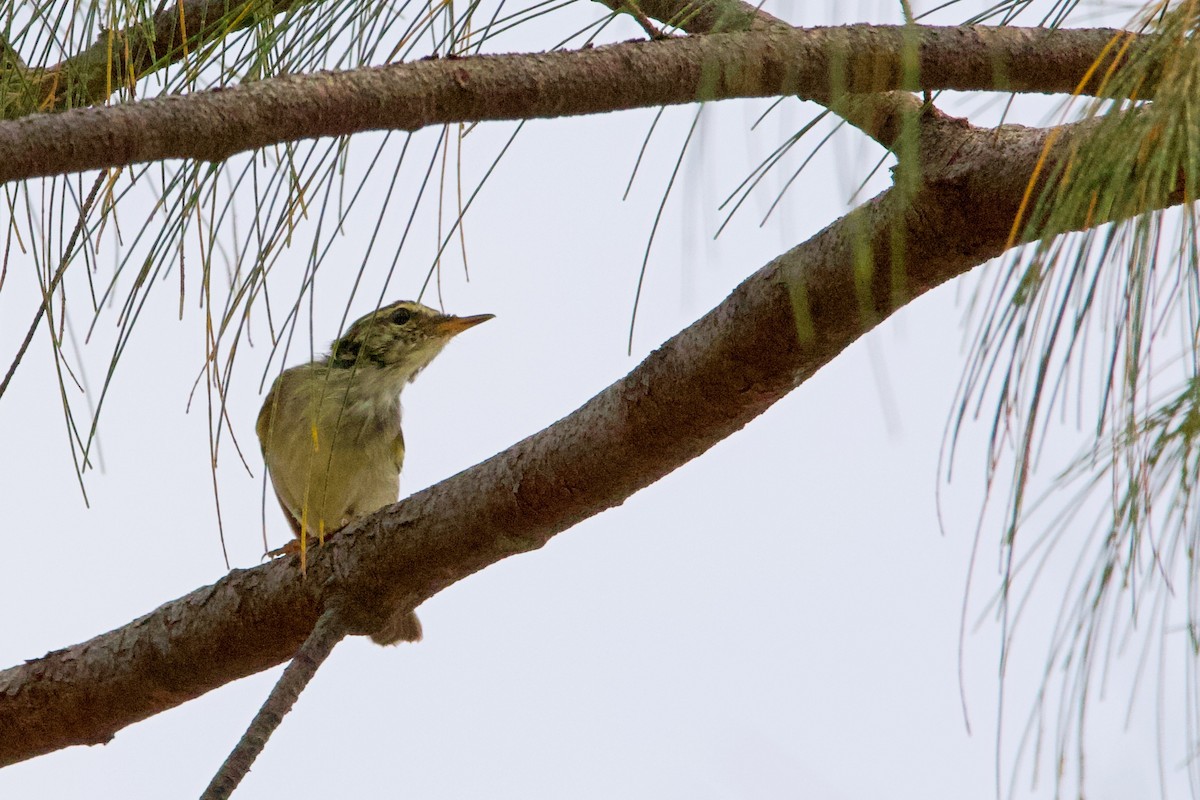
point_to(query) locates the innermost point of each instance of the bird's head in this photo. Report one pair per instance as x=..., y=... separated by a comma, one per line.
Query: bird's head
x=400, y=338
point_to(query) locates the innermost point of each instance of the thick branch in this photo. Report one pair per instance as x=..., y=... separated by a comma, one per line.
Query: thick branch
x=819, y=64
x=771, y=334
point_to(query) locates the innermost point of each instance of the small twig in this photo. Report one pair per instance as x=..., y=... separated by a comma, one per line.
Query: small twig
x=652, y=30
x=325, y=635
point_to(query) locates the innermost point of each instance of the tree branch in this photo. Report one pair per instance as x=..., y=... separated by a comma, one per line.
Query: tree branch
x=819, y=64
x=880, y=116
x=708, y=16
x=120, y=58
x=328, y=631
x=770, y=335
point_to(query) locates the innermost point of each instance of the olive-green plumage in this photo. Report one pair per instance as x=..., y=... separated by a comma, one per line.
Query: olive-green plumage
x=330, y=429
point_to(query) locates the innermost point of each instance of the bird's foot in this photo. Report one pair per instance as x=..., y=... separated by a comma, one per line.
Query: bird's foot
x=293, y=547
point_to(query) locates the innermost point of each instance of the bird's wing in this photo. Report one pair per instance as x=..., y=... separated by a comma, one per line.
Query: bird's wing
x=398, y=450
x=295, y=523
x=262, y=425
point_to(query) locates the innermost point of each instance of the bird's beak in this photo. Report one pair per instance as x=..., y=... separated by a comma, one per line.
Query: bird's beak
x=451, y=326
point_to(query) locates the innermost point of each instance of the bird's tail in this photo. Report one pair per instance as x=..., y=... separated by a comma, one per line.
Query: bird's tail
x=402, y=627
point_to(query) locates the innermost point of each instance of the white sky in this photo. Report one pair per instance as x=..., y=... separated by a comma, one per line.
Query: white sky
x=779, y=618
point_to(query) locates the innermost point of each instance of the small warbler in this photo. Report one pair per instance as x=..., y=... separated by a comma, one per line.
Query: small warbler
x=330, y=429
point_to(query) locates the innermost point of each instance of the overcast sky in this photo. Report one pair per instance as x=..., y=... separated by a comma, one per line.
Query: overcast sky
x=779, y=618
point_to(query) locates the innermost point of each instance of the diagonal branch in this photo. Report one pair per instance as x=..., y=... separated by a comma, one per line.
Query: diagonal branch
x=770, y=335
x=304, y=665
x=119, y=58
x=821, y=64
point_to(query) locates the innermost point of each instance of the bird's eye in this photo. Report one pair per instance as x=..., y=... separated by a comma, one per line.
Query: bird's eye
x=402, y=316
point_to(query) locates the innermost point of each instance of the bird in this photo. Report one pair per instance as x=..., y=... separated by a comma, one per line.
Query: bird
x=330, y=429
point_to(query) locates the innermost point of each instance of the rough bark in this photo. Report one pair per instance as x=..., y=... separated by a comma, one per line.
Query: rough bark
x=821, y=64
